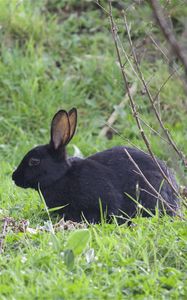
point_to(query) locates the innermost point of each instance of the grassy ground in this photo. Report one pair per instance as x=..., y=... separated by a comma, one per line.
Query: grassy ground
x=60, y=54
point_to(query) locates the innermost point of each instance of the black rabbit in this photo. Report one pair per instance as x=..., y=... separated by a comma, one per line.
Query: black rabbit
x=106, y=178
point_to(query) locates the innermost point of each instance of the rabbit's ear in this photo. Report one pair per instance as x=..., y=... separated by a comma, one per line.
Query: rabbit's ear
x=72, y=115
x=60, y=129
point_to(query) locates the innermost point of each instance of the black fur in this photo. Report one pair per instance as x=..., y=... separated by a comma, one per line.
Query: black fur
x=80, y=183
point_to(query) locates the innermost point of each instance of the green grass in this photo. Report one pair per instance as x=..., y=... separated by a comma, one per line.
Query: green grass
x=60, y=54
x=146, y=261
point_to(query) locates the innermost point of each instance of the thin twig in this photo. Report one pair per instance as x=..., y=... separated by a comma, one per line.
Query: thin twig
x=173, y=68
x=180, y=154
x=153, y=130
x=157, y=194
x=102, y=7
x=164, y=83
x=113, y=117
x=125, y=139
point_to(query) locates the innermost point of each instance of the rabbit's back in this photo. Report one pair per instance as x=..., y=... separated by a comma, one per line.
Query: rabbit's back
x=117, y=155
x=128, y=181
x=117, y=160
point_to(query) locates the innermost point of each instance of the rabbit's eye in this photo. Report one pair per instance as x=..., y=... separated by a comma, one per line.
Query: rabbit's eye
x=34, y=162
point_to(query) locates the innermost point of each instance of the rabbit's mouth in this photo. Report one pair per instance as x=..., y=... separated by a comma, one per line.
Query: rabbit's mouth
x=21, y=184
x=19, y=181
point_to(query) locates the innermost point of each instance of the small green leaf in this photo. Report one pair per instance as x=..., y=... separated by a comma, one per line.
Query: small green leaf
x=57, y=208
x=78, y=241
x=69, y=258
